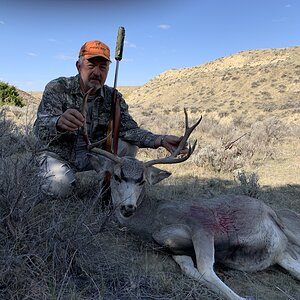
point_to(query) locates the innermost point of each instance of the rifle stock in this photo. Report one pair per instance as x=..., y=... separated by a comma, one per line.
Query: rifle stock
x=114, y=124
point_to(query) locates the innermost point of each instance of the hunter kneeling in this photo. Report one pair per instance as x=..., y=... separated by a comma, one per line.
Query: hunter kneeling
x=76, y=111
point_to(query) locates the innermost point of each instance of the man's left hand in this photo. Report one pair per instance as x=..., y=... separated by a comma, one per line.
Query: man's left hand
x=171, y=143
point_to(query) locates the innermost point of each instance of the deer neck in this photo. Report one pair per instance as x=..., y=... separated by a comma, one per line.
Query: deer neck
x=143, y=221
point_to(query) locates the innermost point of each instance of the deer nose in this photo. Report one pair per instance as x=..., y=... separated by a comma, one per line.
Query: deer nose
x=128, y=210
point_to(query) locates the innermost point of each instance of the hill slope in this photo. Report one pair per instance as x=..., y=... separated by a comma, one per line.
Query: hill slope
x=253, y=83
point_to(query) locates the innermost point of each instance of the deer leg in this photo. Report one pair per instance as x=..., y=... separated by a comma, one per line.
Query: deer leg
x=186, y=265
x=204, y=248
x=290, y=264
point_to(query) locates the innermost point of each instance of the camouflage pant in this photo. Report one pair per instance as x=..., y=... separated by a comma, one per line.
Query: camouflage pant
x=58, y=178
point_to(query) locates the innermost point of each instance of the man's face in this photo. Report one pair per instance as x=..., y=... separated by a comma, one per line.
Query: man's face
x=93, y=73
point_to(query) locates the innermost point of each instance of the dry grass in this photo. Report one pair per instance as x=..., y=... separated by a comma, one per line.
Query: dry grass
x=72, y=249
x=269, y=147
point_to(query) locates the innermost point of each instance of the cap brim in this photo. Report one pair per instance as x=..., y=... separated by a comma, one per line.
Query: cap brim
x=97, y=55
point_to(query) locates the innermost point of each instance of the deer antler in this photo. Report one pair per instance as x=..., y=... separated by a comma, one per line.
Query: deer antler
x=83, y=112
x=90, y=146
x=173, y=159
x=106, y=154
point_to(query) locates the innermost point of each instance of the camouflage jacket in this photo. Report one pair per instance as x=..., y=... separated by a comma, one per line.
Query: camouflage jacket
x=63, y=93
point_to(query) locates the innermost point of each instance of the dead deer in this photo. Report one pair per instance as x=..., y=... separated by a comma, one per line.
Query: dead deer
x=241, y=232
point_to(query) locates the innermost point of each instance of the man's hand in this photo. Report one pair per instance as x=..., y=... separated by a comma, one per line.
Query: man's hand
x=70, y=120
x=170, y=142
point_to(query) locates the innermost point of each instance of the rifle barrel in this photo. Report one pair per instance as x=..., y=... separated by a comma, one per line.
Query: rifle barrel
x=116, y=74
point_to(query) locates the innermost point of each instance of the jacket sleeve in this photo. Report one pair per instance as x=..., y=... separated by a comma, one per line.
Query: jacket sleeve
x=131, y=132
x=49, y=111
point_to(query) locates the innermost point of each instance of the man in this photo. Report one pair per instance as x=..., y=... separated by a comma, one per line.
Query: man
x=59, y=122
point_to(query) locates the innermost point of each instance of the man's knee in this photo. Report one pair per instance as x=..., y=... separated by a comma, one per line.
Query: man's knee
x=126, y=149
x=57, y=178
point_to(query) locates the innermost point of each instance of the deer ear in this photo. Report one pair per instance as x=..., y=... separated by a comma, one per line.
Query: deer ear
x=155, y=175
x=100, y=164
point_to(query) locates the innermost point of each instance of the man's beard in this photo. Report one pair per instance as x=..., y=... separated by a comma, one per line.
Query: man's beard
x=95, y=84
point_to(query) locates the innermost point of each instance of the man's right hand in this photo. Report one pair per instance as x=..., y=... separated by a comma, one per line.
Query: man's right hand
x=70, y=120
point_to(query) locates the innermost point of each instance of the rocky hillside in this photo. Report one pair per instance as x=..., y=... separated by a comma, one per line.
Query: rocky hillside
x=254, y=84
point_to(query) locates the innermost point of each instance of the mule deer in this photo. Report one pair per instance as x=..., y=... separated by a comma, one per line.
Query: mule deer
x=240, y=232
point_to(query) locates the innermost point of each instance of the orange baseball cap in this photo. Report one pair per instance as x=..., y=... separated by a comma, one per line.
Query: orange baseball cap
x=93, y=49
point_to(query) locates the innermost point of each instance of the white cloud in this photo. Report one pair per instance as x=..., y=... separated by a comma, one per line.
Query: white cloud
x=129, y=45
x=164, y=26
x=63, y=56
x=2, y=22
x=52, y=40
x=31, y=54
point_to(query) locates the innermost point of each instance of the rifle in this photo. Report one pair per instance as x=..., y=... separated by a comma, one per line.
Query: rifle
x=115, y=119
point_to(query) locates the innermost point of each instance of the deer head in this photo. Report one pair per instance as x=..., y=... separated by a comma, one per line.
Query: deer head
x=129, y=175
x=128, y=179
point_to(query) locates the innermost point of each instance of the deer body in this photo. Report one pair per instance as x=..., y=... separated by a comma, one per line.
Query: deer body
x=247, y=235
x=238, y=231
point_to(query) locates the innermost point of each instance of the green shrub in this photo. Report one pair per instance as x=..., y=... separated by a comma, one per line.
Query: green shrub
x=9, y=95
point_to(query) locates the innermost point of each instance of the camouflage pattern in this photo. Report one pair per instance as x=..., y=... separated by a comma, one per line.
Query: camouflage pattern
x=64, y=93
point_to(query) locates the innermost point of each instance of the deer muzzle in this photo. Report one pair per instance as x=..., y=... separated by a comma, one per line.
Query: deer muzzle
x=128, y=210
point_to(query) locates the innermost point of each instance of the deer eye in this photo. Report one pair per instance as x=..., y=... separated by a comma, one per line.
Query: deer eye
x=117, y=178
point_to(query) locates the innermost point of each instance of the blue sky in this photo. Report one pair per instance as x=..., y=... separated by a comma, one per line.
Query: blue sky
x=40, y=40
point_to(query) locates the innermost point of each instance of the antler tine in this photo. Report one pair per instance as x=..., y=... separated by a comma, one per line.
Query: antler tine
x=99, y=143
x=187, y=133
x=171, y=159
x=107, y=154
x=92, y=146
x=83, y=112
